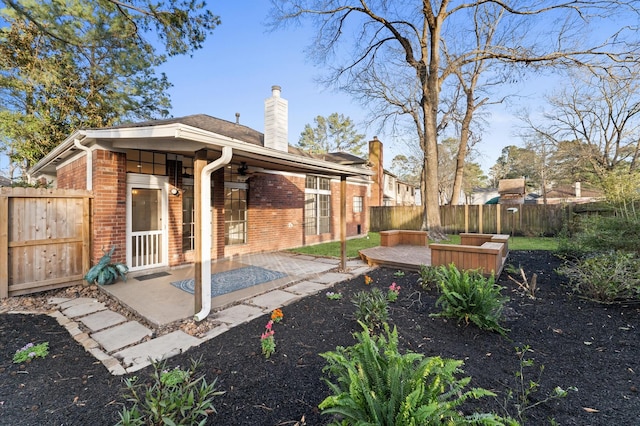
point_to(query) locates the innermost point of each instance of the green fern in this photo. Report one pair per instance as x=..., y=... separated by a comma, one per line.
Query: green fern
x=373, y=384
x=468, y=296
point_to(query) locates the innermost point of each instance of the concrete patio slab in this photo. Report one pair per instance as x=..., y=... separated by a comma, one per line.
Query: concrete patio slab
x=101, y=320
x=328, y=261
x=274, y=299
x=84, y=309
x=140, y=356
x=121, y=335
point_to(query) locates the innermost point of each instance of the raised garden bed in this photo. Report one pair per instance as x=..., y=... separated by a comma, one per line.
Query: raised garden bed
x=485, y=252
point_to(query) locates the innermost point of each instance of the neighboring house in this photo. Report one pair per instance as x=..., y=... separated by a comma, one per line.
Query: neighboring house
x=575, y=193
x=5, y=181
x=511, y=191
x=387, y=189
x=484, y=195
x=265, y=195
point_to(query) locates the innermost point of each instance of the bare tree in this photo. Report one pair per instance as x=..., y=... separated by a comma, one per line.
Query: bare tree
x=395, y=64
x=601, y=112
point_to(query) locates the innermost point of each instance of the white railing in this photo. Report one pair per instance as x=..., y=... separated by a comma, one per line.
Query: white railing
x=146, y=249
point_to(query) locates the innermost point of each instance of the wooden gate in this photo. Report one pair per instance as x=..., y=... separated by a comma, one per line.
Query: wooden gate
x=44, y=239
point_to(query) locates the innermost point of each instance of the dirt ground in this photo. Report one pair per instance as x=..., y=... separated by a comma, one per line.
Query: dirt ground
x=592, y=347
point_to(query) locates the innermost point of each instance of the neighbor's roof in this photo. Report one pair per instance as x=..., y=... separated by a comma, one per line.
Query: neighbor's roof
x=511, y=186
x=569, y=191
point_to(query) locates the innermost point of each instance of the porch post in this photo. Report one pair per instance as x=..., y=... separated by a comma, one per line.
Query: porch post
x=199, y=162
x=343, y=223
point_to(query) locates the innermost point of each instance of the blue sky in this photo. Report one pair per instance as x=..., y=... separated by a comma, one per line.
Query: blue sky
x=240, y=62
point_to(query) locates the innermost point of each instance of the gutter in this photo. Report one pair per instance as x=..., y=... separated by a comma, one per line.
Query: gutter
x=205, y=229
x=57, y=151
x=89, y=161
x=204, y=136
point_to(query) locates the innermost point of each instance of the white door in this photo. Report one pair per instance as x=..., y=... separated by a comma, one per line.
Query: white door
x=146, y=224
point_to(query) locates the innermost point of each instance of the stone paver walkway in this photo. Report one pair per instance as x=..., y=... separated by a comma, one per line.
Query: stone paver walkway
x=127, y=346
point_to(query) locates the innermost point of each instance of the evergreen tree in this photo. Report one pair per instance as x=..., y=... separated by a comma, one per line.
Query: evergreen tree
x=79, y=63
x=335, y=133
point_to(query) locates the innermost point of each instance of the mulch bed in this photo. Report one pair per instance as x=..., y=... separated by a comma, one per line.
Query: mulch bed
x=580, y=343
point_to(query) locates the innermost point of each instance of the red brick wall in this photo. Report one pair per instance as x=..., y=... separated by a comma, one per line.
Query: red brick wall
x=217, y=212
x=276, y=205
x=73, y=175
x=109, y=204
x=176, y=257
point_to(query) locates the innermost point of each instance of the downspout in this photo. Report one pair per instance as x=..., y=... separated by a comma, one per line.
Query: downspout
x=205, y=229
x=89, y=161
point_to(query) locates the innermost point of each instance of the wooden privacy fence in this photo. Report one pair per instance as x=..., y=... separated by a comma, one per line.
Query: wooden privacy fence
x=44, y=239
x=523, y=219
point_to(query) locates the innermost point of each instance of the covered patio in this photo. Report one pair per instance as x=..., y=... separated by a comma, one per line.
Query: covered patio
x=152, y=295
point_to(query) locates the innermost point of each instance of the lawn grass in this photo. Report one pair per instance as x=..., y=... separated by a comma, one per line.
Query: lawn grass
x=332, y=249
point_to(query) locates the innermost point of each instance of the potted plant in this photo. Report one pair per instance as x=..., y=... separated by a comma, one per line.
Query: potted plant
x=105, y=272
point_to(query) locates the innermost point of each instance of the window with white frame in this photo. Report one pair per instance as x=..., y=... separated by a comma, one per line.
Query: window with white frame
x=357, y=204
x=317, y=205
x=235, y=207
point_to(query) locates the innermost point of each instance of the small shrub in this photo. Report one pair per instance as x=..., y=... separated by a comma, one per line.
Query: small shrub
x=372, y=307
x=267, y=340
x=521, y=397
x=373, y=384
x=468, y=296
x=174, y=397
x=105, y=272
x=31, y=351
x=612, y=276
x=527, y=286
x=428, y=276
x=600, y=233
x=393, y=292
x=334, y=296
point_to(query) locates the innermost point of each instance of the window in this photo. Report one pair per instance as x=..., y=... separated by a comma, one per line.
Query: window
x=235, y=207
x=357, y=204
x=146, y=162
x=317, y=205
x=188, y=219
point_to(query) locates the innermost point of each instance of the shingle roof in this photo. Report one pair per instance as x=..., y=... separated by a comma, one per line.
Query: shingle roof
x=511, y=186
x=208, y=123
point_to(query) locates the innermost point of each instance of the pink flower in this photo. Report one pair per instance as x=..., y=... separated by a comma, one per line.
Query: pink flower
x=269, y=325
x=267, y=334
x=394, y=287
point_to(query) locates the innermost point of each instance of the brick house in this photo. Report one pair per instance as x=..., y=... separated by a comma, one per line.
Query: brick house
x=264, y=194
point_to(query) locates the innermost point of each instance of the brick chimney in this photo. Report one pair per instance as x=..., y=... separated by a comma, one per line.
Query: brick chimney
x=377, y=166
x=276, y=121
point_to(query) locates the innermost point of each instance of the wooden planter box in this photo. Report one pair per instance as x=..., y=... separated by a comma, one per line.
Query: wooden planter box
x=403, y=237
x=484, y=252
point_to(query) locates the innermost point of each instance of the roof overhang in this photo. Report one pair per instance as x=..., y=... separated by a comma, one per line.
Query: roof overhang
x=181, y=139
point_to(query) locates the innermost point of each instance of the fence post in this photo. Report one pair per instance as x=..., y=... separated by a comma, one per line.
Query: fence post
x=480, y=219
x=466, y=218
x=86, y=235
x=4, y=246
x=498, y=222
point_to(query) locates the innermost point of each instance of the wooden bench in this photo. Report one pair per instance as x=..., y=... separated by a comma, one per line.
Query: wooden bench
x=403, y=237
x=471, y=239
x=478, y=251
